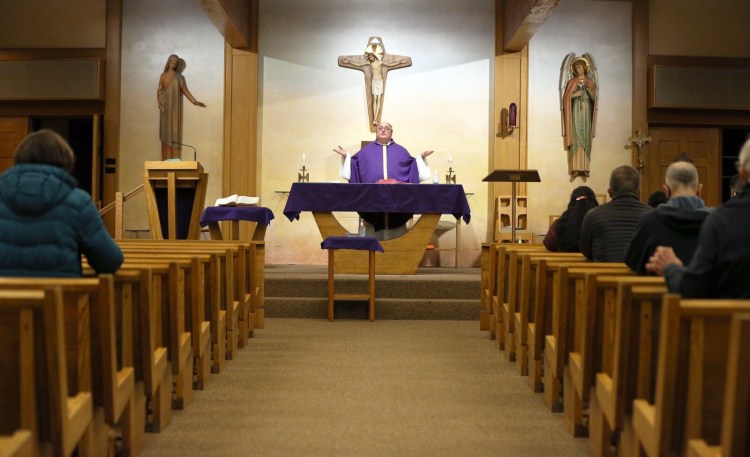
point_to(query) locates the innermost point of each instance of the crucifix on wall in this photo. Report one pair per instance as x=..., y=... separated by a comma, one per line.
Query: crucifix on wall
x=375, y=64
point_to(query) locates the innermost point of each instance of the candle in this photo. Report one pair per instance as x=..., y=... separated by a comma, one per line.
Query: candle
x=303, y=159
x=450, y=160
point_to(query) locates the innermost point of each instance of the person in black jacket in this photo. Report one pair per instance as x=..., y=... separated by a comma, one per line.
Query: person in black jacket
x=564, y=233
x=675, y=223
x=607, y=229
x=720, y=267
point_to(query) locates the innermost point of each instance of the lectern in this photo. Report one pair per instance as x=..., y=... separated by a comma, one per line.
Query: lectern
x=175, y=196
x=513, y=177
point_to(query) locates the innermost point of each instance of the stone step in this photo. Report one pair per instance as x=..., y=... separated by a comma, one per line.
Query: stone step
x=301, y=291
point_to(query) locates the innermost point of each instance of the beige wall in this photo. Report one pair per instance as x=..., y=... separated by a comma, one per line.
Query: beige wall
x=309, y=104
x=52, y=24
x=151, y=32
x=602, y=29
x=699, y=28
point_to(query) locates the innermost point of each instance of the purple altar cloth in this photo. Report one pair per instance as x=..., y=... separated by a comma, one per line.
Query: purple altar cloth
x=360, y=243
x=378, y=198
x=236, y=213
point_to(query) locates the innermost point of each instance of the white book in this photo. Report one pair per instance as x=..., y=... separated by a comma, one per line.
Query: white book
x=237, y=200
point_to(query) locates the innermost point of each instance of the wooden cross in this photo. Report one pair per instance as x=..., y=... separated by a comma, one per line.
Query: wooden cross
x=375, y=64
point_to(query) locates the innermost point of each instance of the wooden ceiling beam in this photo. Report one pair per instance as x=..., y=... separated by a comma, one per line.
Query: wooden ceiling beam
x=521, y=19
x=234, y=19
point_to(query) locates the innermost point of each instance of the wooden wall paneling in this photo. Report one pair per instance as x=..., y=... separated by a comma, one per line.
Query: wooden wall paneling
x=110, y=143
x=12, y=132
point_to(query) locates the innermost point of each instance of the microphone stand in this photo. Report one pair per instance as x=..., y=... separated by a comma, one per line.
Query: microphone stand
x=195, y=152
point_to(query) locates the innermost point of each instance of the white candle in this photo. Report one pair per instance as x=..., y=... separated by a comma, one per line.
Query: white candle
x=450, y=160
x=303, y=159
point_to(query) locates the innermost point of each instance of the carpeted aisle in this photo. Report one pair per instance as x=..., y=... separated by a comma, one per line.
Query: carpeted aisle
x=306, y=387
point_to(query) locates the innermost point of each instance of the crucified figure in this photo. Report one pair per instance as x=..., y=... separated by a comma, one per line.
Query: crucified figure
x=375, y=64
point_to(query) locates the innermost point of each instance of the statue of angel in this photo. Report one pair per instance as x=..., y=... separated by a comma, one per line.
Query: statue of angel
x=579, y=92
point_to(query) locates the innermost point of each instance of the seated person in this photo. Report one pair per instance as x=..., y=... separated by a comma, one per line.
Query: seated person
x=720, y=267
x=563, y=235
x=46, y=223
x=607, y=229
x=675, y=223
x=383, y=159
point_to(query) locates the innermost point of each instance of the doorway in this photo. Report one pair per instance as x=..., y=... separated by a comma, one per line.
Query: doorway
x=79, y=132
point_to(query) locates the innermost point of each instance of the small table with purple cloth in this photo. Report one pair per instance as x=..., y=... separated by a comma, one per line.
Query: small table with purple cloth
x=214, y=214
x=402, y=254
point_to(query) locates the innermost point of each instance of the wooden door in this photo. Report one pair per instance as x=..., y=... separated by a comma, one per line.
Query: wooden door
x=12, y=131
x=699, y=145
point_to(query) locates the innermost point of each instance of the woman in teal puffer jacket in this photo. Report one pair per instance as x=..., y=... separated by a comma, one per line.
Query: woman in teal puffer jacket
x=46, y=223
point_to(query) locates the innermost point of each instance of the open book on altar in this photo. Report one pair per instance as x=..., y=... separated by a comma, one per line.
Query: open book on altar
x=237, y=200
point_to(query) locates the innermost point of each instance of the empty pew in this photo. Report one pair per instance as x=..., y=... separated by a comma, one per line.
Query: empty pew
x=568, y=288
x=503, y=273
x=691, y=376
x=136, y=298
x=593, y=340
x=202, y=283
x=540, y=314
x=487, y=259
x=629, y=373
x=91, y=300
x=526, y=301
x=19, y=444
x=35, y=396
x=735, y=423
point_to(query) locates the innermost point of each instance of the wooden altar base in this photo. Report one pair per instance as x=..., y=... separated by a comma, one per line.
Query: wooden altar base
x=402, y=254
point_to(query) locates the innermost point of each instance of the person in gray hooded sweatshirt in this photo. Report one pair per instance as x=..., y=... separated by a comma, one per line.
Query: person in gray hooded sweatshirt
x=676, y=223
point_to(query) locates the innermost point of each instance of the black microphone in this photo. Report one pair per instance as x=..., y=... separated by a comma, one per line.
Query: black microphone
x=195, y=152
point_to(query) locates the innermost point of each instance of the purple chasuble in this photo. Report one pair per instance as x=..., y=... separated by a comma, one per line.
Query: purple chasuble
x=367, y=164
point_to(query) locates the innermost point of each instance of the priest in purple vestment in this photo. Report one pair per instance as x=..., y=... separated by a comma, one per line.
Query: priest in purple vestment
x=384, y=159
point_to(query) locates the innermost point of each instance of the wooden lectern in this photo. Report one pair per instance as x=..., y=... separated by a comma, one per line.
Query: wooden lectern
x=175, y=196
x=513, y=177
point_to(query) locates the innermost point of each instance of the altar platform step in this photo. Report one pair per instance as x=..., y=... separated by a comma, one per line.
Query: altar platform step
x=300, y=291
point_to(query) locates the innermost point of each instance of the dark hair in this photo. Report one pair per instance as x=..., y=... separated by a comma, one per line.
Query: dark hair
x=624, y=180
x=568, y=228
x=45, y=147
x=657, y=198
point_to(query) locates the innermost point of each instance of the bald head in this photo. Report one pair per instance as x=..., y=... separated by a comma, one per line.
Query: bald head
x=745, y=161
x=682, y=178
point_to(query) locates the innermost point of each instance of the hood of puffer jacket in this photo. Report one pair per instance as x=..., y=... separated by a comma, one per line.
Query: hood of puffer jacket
x=31, y=188
x=684, y=214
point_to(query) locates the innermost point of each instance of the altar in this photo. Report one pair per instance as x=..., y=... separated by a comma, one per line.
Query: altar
x=402, y=254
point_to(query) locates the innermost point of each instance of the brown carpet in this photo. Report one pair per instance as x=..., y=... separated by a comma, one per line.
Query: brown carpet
x=306, y=387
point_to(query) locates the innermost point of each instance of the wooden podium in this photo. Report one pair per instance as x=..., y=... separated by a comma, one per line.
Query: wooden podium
x=513, y=177
x=175, y=196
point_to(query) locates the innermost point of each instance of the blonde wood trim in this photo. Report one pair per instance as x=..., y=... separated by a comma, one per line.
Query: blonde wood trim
x=112, y=71
x=402, y=254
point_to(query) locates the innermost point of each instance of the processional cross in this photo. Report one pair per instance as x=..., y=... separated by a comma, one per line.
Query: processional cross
x=375, y=64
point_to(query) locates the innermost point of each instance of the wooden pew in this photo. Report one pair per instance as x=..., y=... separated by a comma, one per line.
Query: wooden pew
x=202, y=283
x=248, y=264
x=503, y=287
x=568, y=289
x=629, y=373
x=691, y=376
x=593, y=341
x=487, y=259
x=253, y=266
x=540, y=314
x=34, y=390
x=113, y=382
x=735, y=423
x=136, y=295
x=526, y=301
x=19, y=444
x=168, y=288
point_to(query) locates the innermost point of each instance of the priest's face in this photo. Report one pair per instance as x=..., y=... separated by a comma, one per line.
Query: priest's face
x=384, y=132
